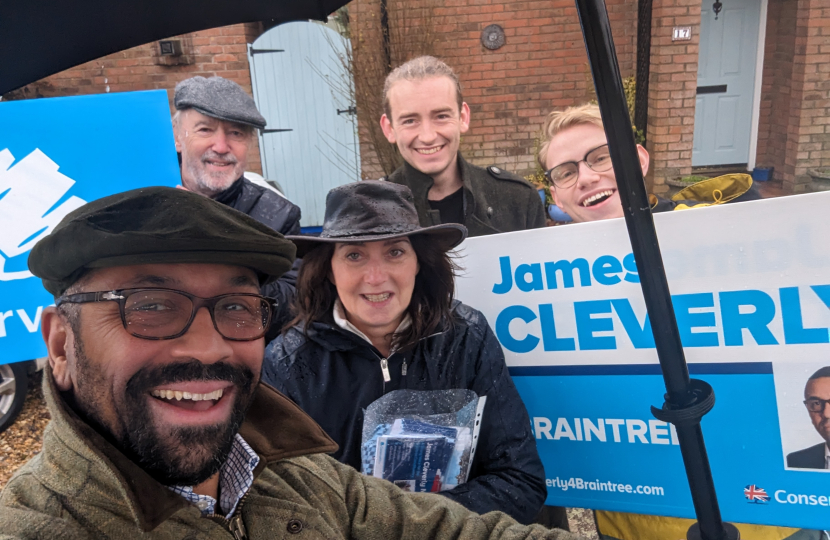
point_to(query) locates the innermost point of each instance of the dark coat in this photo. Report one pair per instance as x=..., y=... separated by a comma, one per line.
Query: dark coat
x=263, y=205
x=495, y=201
x=334, y=375
x=809, y=458
x=283, y=216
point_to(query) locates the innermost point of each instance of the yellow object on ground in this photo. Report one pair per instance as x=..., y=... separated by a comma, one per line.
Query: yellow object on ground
x=622, y=526
x=718, y=190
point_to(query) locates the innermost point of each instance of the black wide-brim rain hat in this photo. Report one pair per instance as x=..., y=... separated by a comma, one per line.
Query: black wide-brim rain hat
x=373, y=210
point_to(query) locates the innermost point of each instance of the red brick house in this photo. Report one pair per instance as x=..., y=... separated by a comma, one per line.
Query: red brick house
x=776, y=53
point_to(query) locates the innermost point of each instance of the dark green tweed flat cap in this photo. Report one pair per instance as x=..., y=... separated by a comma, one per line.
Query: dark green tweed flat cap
x=156, y=225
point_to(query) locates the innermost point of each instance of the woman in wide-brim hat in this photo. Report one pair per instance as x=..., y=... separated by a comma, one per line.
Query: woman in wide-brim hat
x=375, y=313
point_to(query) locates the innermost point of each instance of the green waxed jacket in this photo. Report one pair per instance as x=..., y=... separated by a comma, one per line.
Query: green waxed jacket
x=495, y=201
x=81, y=487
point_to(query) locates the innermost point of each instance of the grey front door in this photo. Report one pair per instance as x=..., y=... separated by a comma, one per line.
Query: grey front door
x=726, y=83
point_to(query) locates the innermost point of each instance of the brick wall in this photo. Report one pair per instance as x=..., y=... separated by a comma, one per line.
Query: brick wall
x=672, y=90
x=218, y=51
x=776, y=90
x=811, y=102
x=542, y=66
x=794, y=131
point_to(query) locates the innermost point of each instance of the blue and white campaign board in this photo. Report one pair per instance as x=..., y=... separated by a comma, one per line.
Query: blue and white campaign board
x=56, y=155
x=750, y=284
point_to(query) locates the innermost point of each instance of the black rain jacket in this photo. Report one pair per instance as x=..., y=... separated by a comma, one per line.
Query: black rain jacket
x=283, y=216
x=263, y=205
x=333, y=374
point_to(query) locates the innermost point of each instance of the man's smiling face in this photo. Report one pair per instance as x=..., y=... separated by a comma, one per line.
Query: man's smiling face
x=174, y=405
x=594, y=195
x=426, y=123
x=214, y=152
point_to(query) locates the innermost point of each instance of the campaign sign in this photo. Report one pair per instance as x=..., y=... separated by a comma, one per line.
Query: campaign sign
x=55, y=156
x=750, y=283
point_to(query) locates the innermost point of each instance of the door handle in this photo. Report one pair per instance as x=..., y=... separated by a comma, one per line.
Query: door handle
x=715, y=89
x=350, y=110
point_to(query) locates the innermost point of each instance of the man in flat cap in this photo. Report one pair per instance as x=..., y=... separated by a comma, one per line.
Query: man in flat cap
x=214, y=127
x=160, y=426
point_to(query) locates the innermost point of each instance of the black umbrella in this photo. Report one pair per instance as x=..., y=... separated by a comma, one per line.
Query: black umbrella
x=686, y=399
x=42, y=37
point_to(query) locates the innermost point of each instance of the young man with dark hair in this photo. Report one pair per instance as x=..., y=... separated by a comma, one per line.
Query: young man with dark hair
x=425, y=117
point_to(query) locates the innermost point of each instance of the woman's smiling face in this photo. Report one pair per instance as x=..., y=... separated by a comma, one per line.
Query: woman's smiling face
x=374, y=282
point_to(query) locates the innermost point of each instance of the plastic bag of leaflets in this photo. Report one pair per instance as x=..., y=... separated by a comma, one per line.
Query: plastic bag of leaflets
x=422, y=440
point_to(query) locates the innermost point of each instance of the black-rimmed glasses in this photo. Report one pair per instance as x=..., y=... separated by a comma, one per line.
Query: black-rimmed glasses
x=816, y=404
x=565, y=174
x=168, y=313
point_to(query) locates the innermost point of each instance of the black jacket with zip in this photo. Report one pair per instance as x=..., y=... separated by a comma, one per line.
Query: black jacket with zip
x=333, y=374
x=495, y=201
x=283, y=216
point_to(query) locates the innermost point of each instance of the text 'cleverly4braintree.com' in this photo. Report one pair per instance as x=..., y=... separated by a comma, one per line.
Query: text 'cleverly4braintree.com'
x=595, y=485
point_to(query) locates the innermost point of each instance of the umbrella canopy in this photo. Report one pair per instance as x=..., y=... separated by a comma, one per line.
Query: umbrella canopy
x=41, y=37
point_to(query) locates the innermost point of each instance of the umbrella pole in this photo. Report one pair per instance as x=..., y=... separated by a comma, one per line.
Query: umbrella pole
x=686, y=400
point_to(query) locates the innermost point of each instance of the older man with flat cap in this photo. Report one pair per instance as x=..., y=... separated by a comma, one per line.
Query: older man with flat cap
x=214, y=127
x=160, y=426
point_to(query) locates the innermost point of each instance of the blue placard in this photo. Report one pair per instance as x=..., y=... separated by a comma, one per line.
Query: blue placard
x=622, y=458
x=753, y=310
x=55, y=155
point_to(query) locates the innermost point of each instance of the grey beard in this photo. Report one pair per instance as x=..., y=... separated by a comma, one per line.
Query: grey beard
x=211, y=184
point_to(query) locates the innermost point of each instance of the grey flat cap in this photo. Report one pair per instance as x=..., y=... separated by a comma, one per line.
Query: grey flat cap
x=220, y=98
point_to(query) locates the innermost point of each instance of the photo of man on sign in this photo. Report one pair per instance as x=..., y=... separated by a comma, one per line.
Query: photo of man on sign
x=816, y=398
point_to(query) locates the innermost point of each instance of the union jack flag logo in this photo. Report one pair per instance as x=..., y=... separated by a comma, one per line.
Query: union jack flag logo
x=755, y=494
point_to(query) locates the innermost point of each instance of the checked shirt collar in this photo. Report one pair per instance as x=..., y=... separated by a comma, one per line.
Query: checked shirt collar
x=235, y=479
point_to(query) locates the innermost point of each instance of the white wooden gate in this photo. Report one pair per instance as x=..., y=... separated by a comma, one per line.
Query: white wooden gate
x=303, y=90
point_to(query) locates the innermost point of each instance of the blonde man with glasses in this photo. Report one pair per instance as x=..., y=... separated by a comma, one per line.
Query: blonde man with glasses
x=575, y=158
x=574, y=155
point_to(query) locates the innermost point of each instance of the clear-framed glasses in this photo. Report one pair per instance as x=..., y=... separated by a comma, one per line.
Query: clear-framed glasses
x=816, y=404
x=565, y=174
x=168, y=313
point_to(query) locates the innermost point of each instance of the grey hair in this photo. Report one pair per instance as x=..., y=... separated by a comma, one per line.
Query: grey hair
x=423, y=67
x=177, y=118
x=72, y=312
